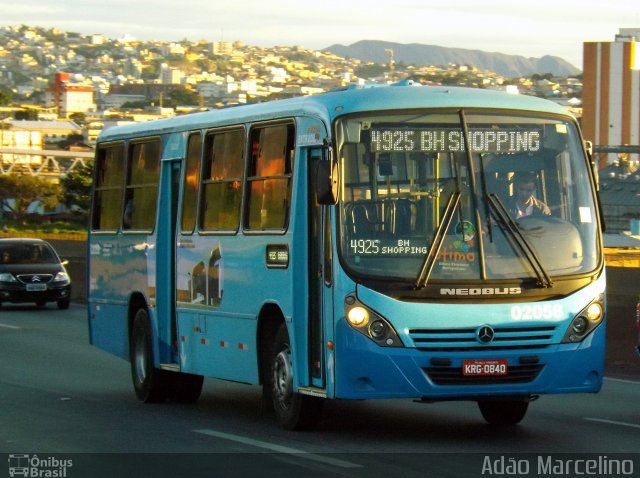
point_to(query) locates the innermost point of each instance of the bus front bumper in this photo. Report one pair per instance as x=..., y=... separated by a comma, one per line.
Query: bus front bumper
x=365, y=370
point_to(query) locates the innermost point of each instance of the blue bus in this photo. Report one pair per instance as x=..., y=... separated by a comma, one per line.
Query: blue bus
x=400, y=241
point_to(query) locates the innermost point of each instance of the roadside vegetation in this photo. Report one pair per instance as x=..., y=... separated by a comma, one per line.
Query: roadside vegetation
x=29, y=204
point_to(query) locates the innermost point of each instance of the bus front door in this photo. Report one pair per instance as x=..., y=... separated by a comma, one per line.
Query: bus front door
x=166, y=263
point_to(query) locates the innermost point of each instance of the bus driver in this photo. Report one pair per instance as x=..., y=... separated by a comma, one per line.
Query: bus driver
x=523, y=203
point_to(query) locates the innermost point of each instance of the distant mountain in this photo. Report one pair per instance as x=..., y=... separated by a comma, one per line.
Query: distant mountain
x=511, y=66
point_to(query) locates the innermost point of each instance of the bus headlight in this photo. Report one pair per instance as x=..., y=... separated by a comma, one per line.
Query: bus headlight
x=594, y=312
x=579, y=325
x=370, y=324
x=584, y=322
x=358, y=316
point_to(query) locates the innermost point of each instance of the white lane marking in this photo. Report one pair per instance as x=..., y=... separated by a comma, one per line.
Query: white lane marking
x=9, y=326
x=621, y=380
x=613, y=422
x=279, y=449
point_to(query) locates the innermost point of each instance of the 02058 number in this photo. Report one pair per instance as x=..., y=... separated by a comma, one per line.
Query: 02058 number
x=536, y=312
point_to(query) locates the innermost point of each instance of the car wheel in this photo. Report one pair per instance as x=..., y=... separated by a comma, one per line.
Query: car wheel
x=151, y=385
x=64, y=303
x=293, y=411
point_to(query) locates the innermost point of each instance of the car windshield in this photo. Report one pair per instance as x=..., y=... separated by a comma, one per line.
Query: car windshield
x=516, y=204
x=26, y=254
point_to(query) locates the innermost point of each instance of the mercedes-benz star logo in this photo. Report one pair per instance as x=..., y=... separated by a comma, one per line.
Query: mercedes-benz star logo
x=485, y=334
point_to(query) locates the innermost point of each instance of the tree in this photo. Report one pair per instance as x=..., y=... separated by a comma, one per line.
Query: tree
x=76, y=187
x=182, y=97
x=78, y=118
x=30, y=115
x=6, y=97
x=25, y=189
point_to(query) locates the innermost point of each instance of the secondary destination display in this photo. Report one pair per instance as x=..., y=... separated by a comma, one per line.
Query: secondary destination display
x=451, y=140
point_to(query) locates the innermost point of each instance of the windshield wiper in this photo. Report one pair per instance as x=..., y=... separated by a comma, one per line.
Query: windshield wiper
x=438, y=239
x=502, y=214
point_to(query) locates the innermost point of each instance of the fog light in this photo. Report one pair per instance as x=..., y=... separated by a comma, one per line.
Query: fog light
x=580, y=325
x=378, y=329
x=594, y=312
x=358, y=316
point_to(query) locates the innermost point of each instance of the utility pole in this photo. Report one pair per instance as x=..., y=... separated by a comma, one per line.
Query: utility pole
x=391, y=62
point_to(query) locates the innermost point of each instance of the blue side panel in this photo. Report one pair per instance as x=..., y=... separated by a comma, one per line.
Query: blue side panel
x=108, y=328
x=222, y=284
x=119, y=267
x=219, y=346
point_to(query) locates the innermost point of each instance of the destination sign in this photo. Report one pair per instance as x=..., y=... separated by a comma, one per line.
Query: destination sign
x=451, y=140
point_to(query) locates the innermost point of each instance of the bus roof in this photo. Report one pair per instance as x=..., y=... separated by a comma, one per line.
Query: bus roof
x=352, y=99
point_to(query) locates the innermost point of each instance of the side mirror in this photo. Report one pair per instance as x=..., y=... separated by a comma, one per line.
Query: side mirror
x=327, y=180
x=64, y=262
x=588, y=147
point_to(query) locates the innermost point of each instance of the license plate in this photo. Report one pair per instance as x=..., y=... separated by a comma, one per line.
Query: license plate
x=484, y=367
x=36, y=287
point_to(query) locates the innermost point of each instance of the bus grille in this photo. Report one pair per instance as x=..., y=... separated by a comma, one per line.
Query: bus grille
x=453, y=376
x=465, y=339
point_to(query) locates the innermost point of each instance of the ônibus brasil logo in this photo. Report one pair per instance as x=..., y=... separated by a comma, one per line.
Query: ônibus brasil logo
x=33, y=466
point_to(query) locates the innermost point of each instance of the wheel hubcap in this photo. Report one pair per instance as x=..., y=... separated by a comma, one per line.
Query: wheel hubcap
x=140, y=358
x=283, y=379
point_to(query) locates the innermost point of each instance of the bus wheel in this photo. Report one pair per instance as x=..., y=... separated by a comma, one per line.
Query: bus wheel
x=150, y=384
x=185, y=387
x=503, y=412
x=293, y=411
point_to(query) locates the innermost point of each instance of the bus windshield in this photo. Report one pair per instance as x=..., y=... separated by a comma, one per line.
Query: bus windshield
x=488, y=195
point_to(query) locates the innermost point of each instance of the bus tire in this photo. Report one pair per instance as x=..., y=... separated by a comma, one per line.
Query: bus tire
x=293, y=411
x=503, y=412
x=63, y=304
x=185, y=387
x=150, y=384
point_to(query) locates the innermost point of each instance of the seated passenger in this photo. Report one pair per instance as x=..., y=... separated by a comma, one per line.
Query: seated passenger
x=523, y=203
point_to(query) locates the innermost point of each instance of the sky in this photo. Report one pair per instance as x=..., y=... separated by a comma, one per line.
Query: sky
x=515, y=27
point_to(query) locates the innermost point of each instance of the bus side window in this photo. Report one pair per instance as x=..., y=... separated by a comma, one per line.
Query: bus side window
x=269, y=179
x=223, y=167
x=191, y=183
x=109, y=177
x=141, y=192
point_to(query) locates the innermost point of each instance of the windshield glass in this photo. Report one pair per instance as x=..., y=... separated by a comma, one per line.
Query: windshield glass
x=24, y=253
x=523, y=203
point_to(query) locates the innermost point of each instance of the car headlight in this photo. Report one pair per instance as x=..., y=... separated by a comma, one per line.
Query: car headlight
x=6, y=277
x=62, y=277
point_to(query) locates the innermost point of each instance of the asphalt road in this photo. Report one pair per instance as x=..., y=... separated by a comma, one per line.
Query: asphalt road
x=62, y=398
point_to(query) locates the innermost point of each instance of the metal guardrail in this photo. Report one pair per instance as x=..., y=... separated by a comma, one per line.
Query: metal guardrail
x=620, y=148
x=42, y=162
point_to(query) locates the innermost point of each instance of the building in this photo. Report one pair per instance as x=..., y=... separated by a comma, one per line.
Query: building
x=69, y=98
x=222, y=48
x=18, y=138
x=170, y=76
x=47, y=132
x=611, y=93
